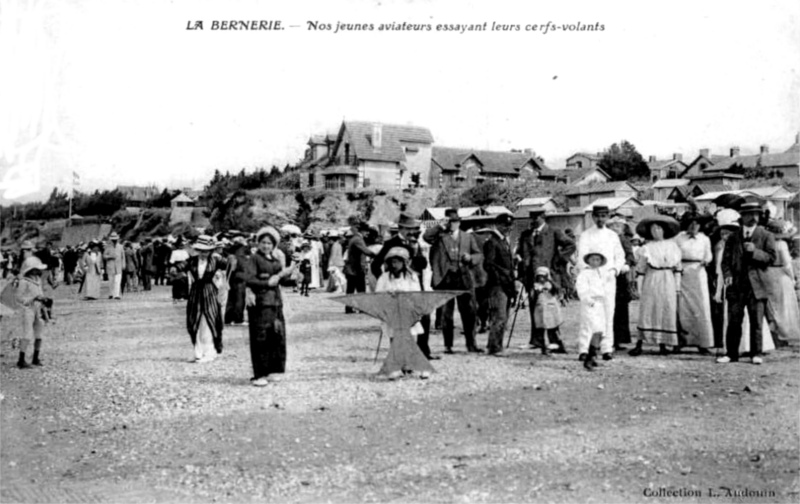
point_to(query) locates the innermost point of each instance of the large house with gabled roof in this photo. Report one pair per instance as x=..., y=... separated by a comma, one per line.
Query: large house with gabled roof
x=784, y=164
x=369, y=155
x=661, y=169
x=463, y=167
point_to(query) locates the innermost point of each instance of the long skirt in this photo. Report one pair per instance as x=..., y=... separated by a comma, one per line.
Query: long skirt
x=91, y=286
x=267, y=340
x=694, y=308
x=782, y=305
x=622, y=321
x=180, y=288
x=234, y=311
x=658, y=311
x=204, y=343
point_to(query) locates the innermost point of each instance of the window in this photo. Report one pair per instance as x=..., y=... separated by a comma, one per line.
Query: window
x=347, y=153
x=579, y=164
x=412, y=150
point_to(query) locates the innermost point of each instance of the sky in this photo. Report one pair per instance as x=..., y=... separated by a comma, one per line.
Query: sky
x=120, y=92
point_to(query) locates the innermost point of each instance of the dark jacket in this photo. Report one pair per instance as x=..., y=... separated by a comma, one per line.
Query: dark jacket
x=446, y=255
x=355, y=264
x=259, y=269
x=741, y=266
x=499, y=263
x=550, y=248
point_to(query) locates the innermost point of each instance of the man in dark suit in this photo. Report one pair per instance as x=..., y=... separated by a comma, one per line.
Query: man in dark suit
x=454, y=253
x=543, y=245
x=499, y=266
x=748, y=253
x=355, y=266
x=407, y=237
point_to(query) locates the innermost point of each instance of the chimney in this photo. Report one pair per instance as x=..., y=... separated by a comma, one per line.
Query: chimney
x=765, y=149
x=734, y=151
x=677, y=156
x=652, y=159
x=704, y=152
x=377, y=136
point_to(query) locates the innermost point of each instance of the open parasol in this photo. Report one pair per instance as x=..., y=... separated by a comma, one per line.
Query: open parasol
x=400, y=311
x=291, y=229
x=728, y=200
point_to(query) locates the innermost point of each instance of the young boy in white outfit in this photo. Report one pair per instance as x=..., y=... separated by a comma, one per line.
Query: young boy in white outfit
x=591, y=291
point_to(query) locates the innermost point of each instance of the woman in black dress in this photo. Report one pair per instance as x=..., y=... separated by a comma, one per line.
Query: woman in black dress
x=267, y=325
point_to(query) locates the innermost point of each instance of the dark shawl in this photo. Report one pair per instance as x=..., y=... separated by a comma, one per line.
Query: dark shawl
x=203, y=300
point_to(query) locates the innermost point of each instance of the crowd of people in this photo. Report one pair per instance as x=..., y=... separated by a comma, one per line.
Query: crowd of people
x=702, y=281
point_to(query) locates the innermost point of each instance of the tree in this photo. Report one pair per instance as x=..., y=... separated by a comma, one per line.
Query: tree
x=623, y=162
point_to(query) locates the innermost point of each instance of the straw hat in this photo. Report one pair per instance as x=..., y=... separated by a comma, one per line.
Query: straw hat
x=26, y=245
x=545, y=271
x=32, y=263
x=204, y=242
x=590, y=254
x=113, y=236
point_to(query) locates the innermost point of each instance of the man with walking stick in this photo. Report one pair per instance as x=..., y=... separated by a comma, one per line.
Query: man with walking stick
x=499, y=266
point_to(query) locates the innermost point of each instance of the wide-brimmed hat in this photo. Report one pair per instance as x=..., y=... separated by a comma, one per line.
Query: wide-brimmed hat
x=598, y=209
x=728, y=218
x=407, y=221
x=32, y=263
x=400, y=252
x=595, y=253
x=504, y=219
x=543, y=271
x=670, y=226
x=113, y=236
x=783, y=230
x=26, y=245
x=204, y=242
x=536, y=212
x=451, y=214
x=271, y=232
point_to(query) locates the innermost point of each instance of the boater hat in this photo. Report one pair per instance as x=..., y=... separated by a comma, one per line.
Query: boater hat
x=536, y=212
x=113, y=236
x=598, y=209
x=204, y=242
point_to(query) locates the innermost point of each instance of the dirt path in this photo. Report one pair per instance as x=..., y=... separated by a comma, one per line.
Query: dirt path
x=118, y=415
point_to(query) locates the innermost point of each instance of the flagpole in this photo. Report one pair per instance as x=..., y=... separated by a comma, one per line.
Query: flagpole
x=71, y=192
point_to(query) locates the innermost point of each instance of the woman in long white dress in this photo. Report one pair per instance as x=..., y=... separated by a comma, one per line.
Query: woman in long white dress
x=694, y=305
x=660, y=263
x=92, y=266
x=782, y=299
